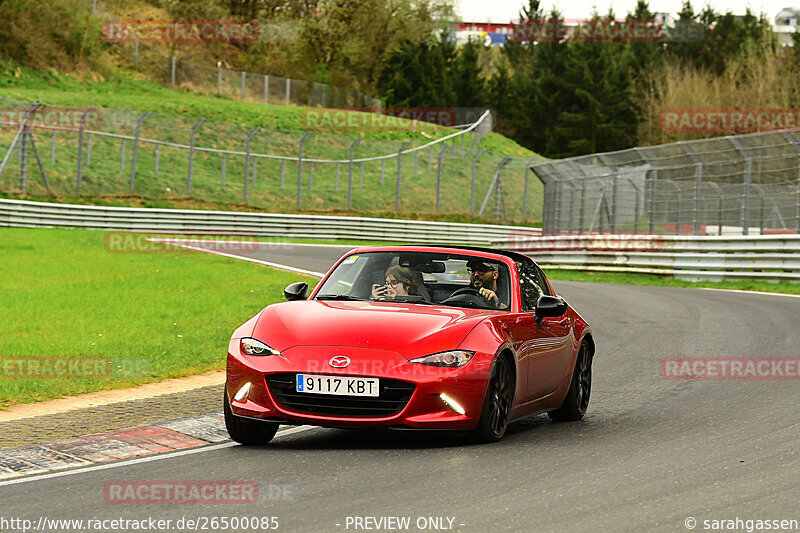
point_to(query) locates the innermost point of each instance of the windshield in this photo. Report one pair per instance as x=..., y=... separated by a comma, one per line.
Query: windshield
x=422, y=278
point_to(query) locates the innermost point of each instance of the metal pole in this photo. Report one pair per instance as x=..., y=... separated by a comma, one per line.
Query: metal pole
x=300, y=170
x=439, y=176
x=158, y=156
x=266, y=89
x=582, y=214
x=224, y=164
x=247, y=160
x=173, y=70
x=122, y=156
x=136, y=52
x=88, y=149
x=475, y=177
x=494, y=183
x=748, y=179
x=219, y=79
x=652, y=213
x=80, y=151
x=135, y=147
x=191, y=156
x=350, y=177
x=41, y=166
x=525, y=189
x=399, y=174
x=53, y=148
x=288, y=89
x=243, y=79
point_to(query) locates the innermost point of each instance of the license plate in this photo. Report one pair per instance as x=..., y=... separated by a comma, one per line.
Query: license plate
x=338, y=385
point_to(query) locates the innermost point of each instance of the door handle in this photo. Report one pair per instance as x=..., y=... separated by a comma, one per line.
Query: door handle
x=564, y=322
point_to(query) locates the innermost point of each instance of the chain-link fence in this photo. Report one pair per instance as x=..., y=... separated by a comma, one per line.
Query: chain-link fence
x=108, y=152
x=745, y=184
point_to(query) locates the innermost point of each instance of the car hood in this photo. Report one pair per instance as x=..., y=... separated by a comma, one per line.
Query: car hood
x=409, y=329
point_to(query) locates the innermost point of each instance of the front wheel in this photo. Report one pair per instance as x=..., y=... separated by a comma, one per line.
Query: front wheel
x=247, y=432
x=497, y=404
x=577, y=399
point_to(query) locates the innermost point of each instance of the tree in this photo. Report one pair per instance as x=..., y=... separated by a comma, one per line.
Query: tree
x=467, y=81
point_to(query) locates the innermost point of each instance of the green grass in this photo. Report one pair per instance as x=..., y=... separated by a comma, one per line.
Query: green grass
x=106, y=177
x=784, y=287
x=154, y=316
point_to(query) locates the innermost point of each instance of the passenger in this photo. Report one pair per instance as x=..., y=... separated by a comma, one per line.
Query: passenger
x=400, y=281
x=483, y=277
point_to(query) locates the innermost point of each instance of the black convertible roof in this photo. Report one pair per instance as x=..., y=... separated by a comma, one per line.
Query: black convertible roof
x=513, y=255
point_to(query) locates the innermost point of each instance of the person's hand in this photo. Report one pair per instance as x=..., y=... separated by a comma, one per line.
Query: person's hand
x=378, y=291
x=490, y=296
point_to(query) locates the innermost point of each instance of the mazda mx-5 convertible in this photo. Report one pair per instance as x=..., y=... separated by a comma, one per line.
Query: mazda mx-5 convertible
x=411, y=337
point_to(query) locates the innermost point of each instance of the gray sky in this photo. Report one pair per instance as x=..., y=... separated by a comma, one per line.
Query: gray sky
x=505, y=10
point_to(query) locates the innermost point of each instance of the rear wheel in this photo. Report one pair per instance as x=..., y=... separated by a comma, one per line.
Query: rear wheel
x=577, y=399
x=247, y=432
x=497, y=403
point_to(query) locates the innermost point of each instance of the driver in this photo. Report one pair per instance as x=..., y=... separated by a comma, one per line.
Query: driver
x=483, y=277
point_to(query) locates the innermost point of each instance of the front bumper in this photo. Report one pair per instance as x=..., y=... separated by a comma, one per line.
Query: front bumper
x=269, y=378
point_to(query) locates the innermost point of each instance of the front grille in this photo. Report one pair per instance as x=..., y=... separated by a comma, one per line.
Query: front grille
x=393, y=397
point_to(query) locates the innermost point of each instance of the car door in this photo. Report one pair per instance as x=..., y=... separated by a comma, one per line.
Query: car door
x=544, y=350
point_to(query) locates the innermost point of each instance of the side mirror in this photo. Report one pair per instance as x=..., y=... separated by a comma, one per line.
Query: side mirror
x=549, y=306
x=296, y=291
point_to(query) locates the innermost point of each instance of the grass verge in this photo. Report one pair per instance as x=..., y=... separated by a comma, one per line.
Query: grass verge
x=154, y=316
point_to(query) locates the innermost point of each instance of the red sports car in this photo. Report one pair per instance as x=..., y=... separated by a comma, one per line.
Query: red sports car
x=411, y=337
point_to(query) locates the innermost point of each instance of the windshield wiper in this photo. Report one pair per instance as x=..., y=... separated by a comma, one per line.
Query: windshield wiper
x=337, y=297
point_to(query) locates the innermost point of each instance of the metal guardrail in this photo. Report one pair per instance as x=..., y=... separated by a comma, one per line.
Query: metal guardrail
x=21, y=213
x=767, y=257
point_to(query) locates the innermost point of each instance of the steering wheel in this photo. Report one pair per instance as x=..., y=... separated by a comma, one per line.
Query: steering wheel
x=467, y=290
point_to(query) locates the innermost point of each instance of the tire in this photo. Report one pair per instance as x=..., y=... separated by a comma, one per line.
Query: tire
x=577, y=399
x=496, y=404
x=247, y=432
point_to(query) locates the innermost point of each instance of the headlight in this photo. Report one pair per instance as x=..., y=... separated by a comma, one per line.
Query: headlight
x=252, y=346
x=450, y=359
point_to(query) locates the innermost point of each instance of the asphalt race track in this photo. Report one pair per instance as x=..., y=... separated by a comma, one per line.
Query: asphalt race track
x=651, y=454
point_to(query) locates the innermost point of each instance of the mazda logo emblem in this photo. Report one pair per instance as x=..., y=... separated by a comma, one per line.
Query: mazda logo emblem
x=339, y=361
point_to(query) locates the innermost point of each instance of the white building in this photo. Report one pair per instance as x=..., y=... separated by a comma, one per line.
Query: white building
x=787, y=22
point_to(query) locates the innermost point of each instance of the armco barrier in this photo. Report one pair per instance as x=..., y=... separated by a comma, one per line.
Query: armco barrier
x=21, y=213
x=766, y=257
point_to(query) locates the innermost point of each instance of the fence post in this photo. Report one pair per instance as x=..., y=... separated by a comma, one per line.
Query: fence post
x=698, y=184
x=525, y=189
x=122, y=156
x=173, y=70
x=300, y=170
x=439, y=176
x=53, y=148
x=582, y=214
x=288, y=89
x=247, y=160
x=494, y=183
x=158, y=156
x=136, y=52
x=350, y=177
x=748, y=179
x=80, y=151
x=88, y=149
x=244, y=74
x=224, y=164
x=191, y=156
x=399, y=174
x=475, y=177
x=135, y=147
x=219, y=77
x=266, y=89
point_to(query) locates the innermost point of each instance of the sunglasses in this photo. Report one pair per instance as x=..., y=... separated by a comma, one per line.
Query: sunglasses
x=479, y=270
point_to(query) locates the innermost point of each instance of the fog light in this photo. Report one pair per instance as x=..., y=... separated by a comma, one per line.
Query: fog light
x=242, y=393
x=451, y=403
